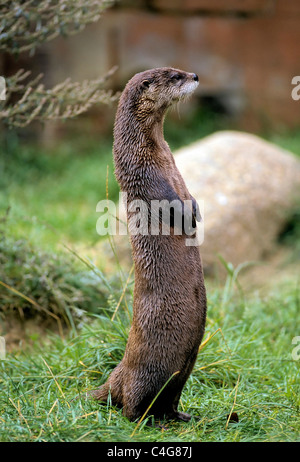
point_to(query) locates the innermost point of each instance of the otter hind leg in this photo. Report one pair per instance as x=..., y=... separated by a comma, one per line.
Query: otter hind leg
x=100, y=394
x=112, y=388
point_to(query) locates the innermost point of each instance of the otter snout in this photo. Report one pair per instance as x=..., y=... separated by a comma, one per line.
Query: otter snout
x=189, y=84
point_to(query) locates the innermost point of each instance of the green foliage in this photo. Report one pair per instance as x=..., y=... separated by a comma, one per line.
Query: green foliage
x=39, y=284
x=289, y=140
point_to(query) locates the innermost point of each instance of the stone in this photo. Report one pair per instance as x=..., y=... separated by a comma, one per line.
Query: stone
x=248, y=187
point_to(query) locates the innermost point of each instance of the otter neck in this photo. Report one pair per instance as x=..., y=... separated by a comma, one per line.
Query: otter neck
x=140, y=136
x=156, y=135
x=149, y=128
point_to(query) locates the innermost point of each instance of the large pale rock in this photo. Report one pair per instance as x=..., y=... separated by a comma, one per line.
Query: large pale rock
x=246, y=188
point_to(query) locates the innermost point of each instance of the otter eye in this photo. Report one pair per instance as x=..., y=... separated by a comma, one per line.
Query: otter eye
x=176, y=77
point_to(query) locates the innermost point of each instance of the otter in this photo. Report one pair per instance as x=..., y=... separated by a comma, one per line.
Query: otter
x=169, y=299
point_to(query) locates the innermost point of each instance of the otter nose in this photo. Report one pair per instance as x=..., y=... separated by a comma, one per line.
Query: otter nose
x=195, y=77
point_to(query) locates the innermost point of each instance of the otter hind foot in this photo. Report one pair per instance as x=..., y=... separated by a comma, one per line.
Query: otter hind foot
x=182, y=416
x=100, y=394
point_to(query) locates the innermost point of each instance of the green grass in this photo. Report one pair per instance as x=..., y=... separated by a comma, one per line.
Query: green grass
x=53, y=193
x=246, y=367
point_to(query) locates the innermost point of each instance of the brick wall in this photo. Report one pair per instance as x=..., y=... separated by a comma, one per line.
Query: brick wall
x=245, y=51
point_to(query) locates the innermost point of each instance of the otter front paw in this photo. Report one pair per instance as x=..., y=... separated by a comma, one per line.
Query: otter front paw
x=196, y=210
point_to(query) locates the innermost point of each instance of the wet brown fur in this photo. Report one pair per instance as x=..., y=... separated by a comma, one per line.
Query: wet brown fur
x=169, y=308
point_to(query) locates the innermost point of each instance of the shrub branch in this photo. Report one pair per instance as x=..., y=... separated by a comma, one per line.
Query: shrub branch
x=64, y=101
x=26, y=24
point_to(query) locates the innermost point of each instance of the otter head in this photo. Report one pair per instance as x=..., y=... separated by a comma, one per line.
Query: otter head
x=152, y=92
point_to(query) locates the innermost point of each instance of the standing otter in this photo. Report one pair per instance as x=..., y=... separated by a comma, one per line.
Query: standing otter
x=169, y=307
